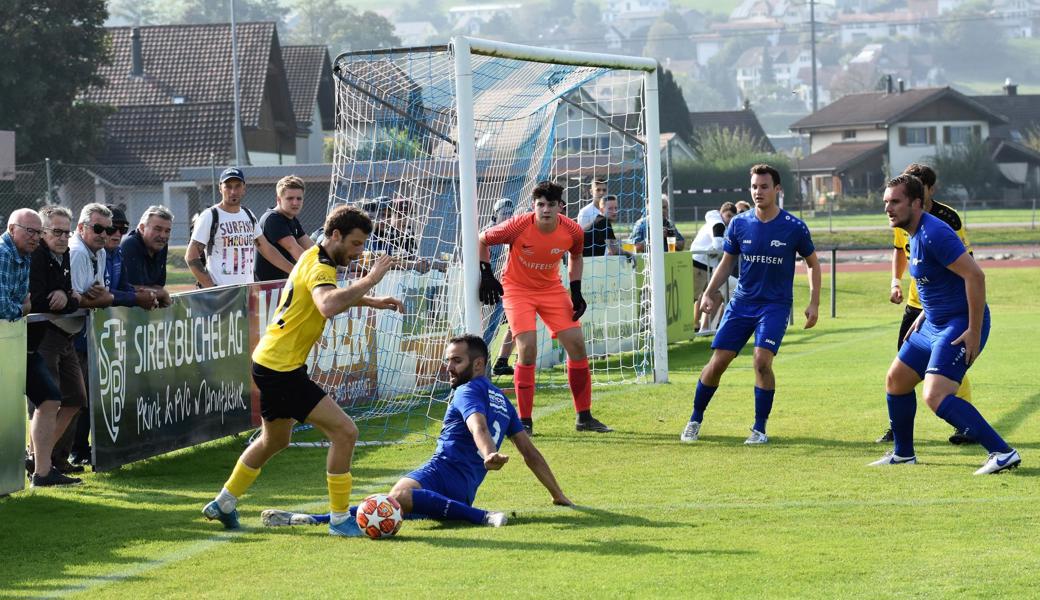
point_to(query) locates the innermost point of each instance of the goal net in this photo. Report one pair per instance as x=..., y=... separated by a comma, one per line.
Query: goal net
x=440, y=142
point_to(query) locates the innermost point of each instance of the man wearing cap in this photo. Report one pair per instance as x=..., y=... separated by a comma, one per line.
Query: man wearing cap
x=123, y=293
x=282, y=228
x=225, y=238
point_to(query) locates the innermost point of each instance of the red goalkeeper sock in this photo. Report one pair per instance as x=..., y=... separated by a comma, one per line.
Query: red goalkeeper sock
x=580, y=380
x=523, y=383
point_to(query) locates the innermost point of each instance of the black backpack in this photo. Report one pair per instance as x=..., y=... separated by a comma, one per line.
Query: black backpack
x=214, y=223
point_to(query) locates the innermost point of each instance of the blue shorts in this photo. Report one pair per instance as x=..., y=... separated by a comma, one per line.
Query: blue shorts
x=929, y=349
x=439, y=475
x=767, y=321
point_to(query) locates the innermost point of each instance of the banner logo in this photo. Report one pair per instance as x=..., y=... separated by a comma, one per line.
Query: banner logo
x=112, y=374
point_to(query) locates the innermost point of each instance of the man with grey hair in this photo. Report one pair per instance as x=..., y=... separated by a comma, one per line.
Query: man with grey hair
x=50, y=288
x=16, y=245
x=145, y=250
x=88, y=261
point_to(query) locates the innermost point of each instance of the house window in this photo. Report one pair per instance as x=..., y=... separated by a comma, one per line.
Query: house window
x=960, y=134
x=914, y=136
x=848, y=134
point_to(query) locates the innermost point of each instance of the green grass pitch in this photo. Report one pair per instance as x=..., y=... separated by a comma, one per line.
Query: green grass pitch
x=802, y=517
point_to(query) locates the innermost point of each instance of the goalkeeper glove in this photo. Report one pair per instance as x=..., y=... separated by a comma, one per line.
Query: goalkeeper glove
x=490, y=289
x=577, y=300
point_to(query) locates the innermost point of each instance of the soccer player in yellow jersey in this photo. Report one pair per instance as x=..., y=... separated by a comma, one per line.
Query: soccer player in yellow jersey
x=287, y=394
x=900, y=255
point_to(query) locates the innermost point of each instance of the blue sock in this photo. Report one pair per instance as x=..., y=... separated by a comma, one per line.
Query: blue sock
x=763, y=406
x=901, y=411
x=701, y=398
x=436, y=506
x=966, y=418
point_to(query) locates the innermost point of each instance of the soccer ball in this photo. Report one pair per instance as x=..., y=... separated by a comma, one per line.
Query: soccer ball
x=379, y=516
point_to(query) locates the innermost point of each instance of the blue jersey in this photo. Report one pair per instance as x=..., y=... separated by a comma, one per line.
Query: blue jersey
x=933, y=247
x=456, y=444
x=766, y=252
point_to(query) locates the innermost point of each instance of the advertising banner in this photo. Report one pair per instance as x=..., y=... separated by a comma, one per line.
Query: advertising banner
x=167, y=379
x=678, y=285
x=12, y=407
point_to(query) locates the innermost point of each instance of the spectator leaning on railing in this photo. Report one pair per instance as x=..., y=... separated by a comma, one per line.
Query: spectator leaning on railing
x=16, y=247
x=123, y=293
x=88, y=261
x=144, y=252
x=641, y=230
x=50, y=288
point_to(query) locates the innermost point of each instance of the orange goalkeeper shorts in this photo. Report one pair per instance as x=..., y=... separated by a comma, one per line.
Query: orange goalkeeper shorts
x=552, y=305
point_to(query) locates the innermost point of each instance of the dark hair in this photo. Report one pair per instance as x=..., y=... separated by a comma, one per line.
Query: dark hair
x=923, y=172
x=728, y=207
x=345, y=219
x=764, y=169
x=548, y=190
x=913, y=186
x=597, y=180
x=475, y=346
x=610, y=197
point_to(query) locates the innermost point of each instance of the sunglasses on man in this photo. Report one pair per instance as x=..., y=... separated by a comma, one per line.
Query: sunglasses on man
x=99, y=229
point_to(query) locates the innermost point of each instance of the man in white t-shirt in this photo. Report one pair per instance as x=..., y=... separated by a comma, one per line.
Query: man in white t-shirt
x=226, y=254
x=589, y=212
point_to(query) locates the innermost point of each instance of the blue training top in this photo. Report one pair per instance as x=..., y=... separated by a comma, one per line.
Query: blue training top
x=766, y=252
x=934, y=247
x=456, y=444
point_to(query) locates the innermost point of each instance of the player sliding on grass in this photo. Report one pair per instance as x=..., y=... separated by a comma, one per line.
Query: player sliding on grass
x=765, y=241
x=477, y=420
x=531, y=286
x=945, y=339
x=310, y=296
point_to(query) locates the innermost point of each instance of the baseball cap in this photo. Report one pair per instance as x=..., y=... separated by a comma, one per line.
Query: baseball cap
x=118, y=216
x=232, y=173
x=502, y=203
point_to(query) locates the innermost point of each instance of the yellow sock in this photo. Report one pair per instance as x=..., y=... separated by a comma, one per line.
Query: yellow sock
x=964, y=392
x=241, y=478
x=339, y=491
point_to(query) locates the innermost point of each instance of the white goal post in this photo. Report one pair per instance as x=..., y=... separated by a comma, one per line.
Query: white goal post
x=464, y=48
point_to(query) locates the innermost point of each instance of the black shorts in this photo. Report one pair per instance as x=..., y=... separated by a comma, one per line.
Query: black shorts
x=286, y=394
x=39, y=384
x=909, y=316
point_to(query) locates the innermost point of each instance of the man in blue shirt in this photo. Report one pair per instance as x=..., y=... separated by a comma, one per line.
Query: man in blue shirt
x=641, y=233
x=945, y=339
x=478, y=419
x=145, y=250
x=766, y=241
x=123, y=293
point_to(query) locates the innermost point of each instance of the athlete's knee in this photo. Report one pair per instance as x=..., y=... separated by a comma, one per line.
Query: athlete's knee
x=274, y=442
x=763, y=367
x=345, y=432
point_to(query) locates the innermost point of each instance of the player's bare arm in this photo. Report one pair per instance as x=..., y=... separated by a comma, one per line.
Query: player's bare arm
x=898, y=268
x=975, y=288
x=330, y=301
x=712, y=297
x=493, y=459
x=193, y=256
x=536, y=462
x=272, y=254
x=812, y=312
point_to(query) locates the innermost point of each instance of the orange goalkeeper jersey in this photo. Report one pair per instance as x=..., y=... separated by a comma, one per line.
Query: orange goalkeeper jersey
x=534, y=257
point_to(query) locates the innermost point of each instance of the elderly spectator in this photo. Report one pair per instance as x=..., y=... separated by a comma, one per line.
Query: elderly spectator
x=589, y=212
x=123, y=293
x=282, y=228
x=50, y=287
x=16, y=247
x=89, y=262
x=641, y=230
x=144, y=252
x=707, y=251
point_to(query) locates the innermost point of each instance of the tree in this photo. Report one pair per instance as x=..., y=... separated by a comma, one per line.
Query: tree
x=969, y=166
x=971, y=43
x=588, y=13
x=699, y=95
x=675, y=115
x=52, y=52
x=340, y=27
x=668, y=38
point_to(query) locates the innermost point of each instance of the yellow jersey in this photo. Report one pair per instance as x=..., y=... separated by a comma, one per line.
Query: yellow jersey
x=901, y=241
x=297, y=325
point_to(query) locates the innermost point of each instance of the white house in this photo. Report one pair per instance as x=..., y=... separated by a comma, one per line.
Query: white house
x=858, y=28
x=620, y=9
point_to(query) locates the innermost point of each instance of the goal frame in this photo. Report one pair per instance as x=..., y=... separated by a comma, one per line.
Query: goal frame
x=463, y=48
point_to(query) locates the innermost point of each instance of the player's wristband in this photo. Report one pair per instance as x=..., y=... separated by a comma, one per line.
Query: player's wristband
x=897, y=282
